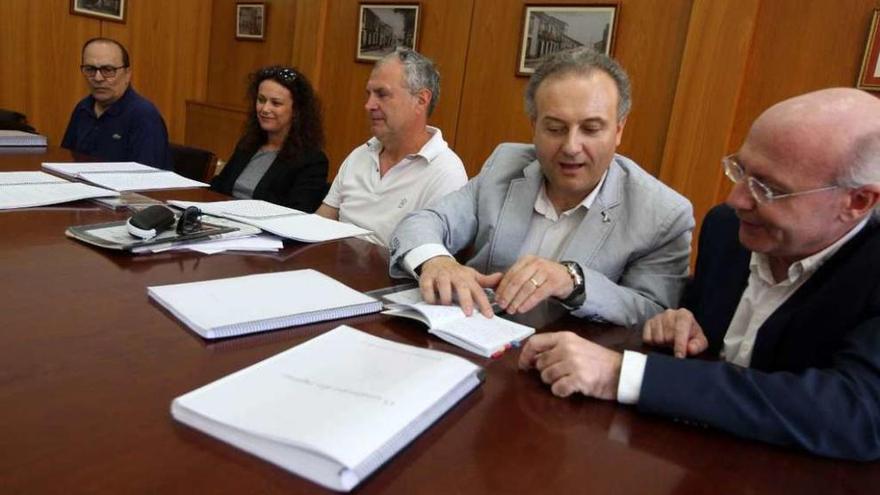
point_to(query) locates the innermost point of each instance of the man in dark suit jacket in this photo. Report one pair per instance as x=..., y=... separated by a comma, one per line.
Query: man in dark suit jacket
x=786, y=293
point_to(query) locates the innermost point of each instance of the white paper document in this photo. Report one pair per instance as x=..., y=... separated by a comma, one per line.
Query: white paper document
x=18, y=178
x=279, y=220
x=49, y=193
x=476, y=333
x=260, y=242
x=74, y=169
x=127, y=181
x=334, y=408
x=254, y=303
x=123, y=176
x=21, y=138
x=408, y=296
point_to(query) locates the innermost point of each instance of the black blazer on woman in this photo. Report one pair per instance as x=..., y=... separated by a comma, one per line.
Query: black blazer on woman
x=299, y=184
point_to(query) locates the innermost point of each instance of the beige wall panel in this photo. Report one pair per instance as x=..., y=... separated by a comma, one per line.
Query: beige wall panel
x=214, y=127
x=40, y=54
x=649, y=43
x=712, y=75
x=231, y=60
x=342, y=82
x=168, y=44
x=310, y=37
x=742, y=57
x=491, y=103
x=446, y=27
x=800, y=47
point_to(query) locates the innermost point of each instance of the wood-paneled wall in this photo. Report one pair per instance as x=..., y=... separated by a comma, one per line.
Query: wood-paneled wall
x=474, y=44
x=341, y=80
x=40, y=58
x=168, y=42
x=649, y=43
x=40, y=54
x=741, y=57
x=702, y=70
x=231, y=60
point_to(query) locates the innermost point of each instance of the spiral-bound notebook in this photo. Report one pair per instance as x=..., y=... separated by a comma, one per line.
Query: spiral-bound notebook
x=228, y=307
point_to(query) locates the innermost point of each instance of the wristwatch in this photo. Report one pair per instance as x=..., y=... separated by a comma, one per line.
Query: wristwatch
x=577, y=296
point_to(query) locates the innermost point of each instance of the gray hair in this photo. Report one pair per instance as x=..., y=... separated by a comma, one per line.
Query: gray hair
x=418, y=73
x=580, y=61
x=863, y=165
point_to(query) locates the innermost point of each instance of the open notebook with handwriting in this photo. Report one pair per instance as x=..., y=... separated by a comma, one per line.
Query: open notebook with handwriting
x=334, y=408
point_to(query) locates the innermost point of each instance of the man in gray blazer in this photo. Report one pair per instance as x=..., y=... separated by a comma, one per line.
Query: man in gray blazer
x=566, y=218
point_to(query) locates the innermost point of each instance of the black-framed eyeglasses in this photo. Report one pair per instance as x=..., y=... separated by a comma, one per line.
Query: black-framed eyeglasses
x=108, y=71
x=762, y=193
x=284, y=74
x=190, y=220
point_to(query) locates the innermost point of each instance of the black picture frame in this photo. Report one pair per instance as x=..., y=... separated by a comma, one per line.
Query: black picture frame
x=384, y=26
x=548, y=29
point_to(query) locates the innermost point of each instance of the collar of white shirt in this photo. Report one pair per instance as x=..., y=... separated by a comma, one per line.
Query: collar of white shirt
x=544, y=207
x=760, y=263
x=429, y=151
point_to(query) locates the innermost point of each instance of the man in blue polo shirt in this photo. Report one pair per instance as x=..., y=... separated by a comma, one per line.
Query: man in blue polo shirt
x=114, y=123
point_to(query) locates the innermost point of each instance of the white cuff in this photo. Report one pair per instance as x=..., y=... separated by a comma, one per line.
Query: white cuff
x=415, y=257
x=632, y=372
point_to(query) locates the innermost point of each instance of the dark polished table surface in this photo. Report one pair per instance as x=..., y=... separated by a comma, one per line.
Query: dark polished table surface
x=89, y=366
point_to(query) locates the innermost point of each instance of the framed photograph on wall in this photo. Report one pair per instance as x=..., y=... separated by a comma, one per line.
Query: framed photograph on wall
x=107, y=10
x=869, y=76
x=552, y=28
x=382, y=27
x=250, y=21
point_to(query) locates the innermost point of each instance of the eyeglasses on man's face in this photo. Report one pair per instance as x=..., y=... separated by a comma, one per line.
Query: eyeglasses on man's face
x=762, y=193
x=108, y=71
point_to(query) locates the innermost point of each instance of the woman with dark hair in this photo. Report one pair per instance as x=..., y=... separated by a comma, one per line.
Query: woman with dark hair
x=279, y=158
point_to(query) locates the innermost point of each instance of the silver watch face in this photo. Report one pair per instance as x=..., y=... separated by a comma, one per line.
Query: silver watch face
x=576, y=277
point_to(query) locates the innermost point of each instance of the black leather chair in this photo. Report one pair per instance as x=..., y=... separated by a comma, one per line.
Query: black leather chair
x=193, y=163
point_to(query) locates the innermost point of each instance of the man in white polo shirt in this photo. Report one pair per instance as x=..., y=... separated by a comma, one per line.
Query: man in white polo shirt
x=406, y=164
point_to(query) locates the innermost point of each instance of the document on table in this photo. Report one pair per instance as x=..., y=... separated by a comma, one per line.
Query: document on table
x=19, y=178
x=476, y=333
x=140, y=181
x=123, y=176
x=487, y=337
x=12, y=138
x=261, y=242
x=279, y=220
x=74, y=169
x=29, y=189
x=234, y=306
x=333, y=409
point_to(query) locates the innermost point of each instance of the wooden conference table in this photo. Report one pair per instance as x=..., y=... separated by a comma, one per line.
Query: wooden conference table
x=89, y=366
